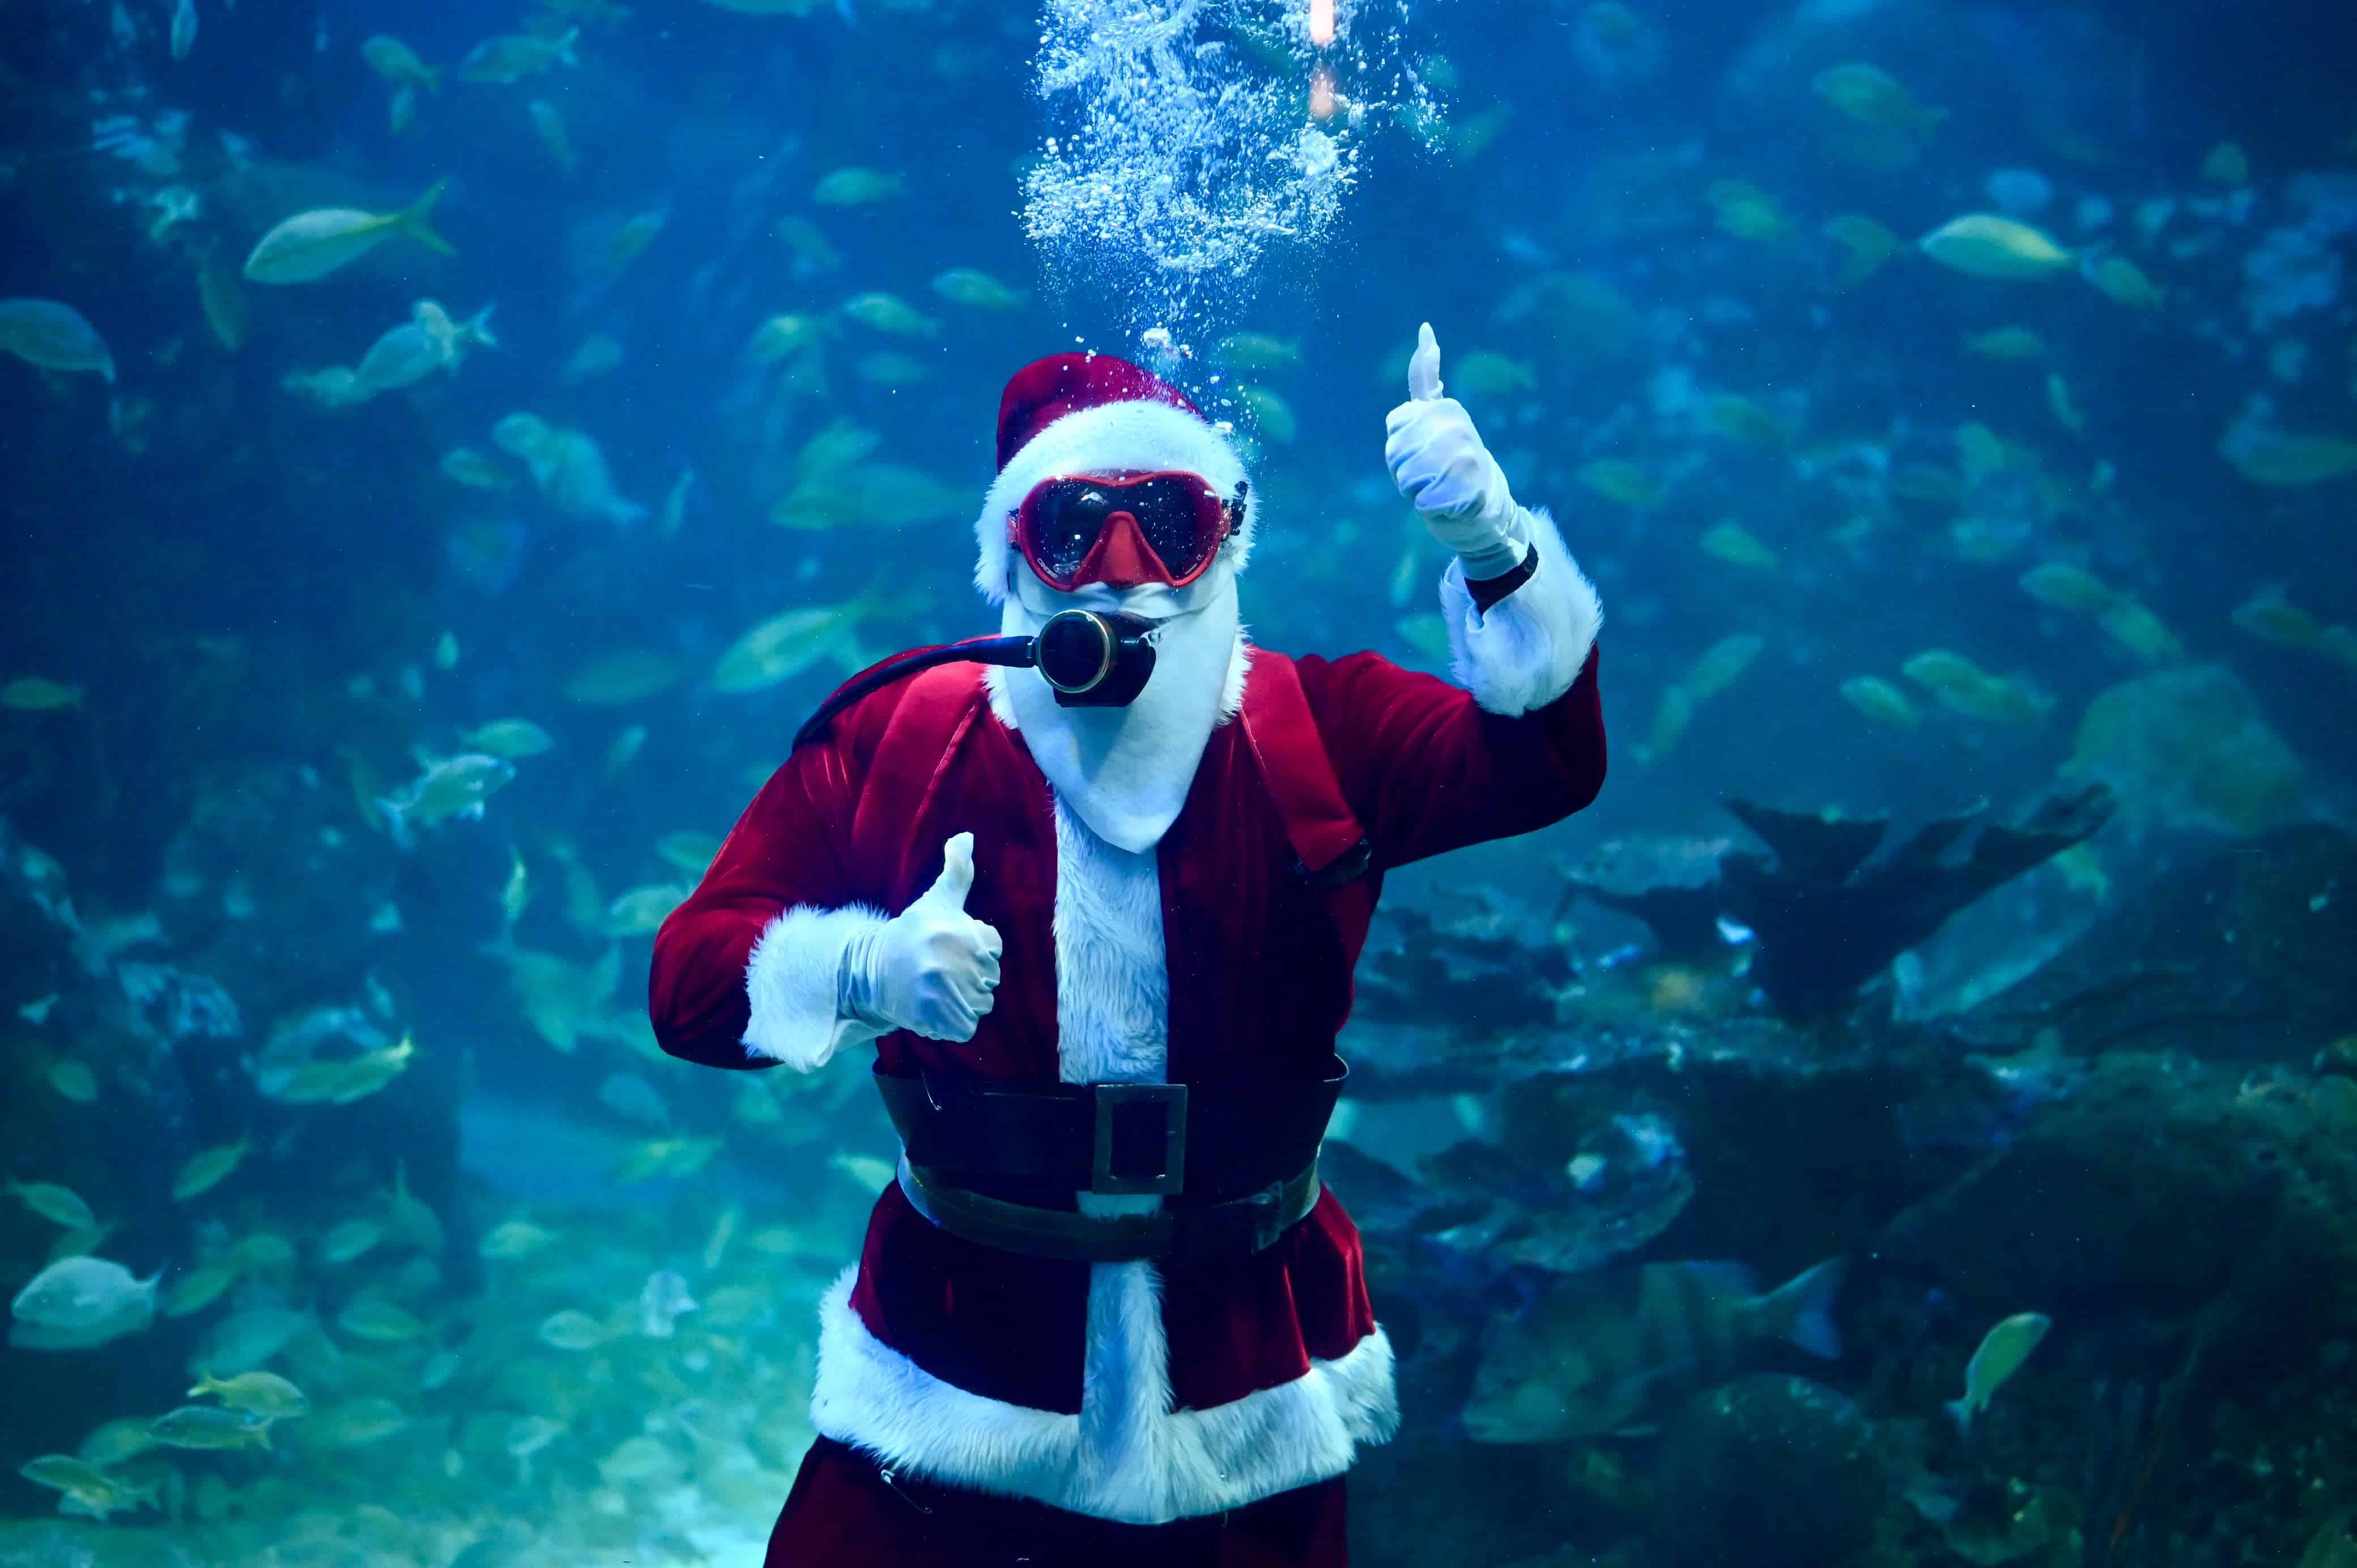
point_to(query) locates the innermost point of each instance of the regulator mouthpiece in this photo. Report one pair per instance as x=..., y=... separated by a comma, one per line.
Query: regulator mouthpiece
x=1094, y=659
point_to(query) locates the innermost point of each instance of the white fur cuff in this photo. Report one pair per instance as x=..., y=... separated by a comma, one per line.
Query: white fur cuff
x=1529, y=648
x=791, y=980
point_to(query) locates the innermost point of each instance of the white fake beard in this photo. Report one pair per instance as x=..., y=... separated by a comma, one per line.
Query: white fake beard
x=1125, y=771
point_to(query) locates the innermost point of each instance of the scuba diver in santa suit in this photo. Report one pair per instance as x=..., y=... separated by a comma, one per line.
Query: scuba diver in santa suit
x=1095, y=887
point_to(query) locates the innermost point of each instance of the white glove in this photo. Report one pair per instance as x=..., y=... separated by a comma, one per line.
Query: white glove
x=931, y=968
x=1439, y=462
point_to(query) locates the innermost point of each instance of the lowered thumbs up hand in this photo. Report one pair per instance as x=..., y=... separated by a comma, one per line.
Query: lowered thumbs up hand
x=931, y=968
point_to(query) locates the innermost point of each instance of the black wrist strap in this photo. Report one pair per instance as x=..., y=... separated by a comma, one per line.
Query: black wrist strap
x=1487, y=591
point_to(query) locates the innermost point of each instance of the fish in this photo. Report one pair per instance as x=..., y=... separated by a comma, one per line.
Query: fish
x=454, y=787
x=429, y=341
x=371, y=1418
x=513, y=1239
x=1872, y=96
x=568, y=469
x=88, y=1485
x=1880, y=700
x=688, y=850
x=623, y=749
x=222, y=300
x=978, y=290
x=856, y=186
x=208, y=1169
x=2002, y=1351
x=2007, y=343
x=2121, y=281
x=75, y=1081
x=197, y=1290
x=401, y=109
x=1867, y=244
x=562, y=1000
x=1671, y=713
x=1740, y=418
x=785, y=645
x=674, y=515
x=1611, y=1350
x=38, y=695
x=1735, y=544
x=58, y=1205
x=515, y=893
x=663, y=1301
x=183, y=28
x=598, y=355
x=785, y=336
x=631, y=676
x=2134, y=626
x=630, y=241
x=81, y=1293
x=245, y=1340
x=629, y=1095
x=112, y=1442
x=1966, y=688
x=348, y=1240
x=666, y=1157
x=1618, y=479
x=2270, y=616
x=265, y=1394
x=2266, y=456
x=891, y=314
x=549, y=125
x=2226, y=163
x=53, y=336
x=312, y=244
x=511, y=57
x=398, y=63
x=1720, y=664
x=264, y=1251
x=872, y=495
x=2061, y=404
x=1272, y=417
x=1987, y=245
x=381, y=1319
x=2062, y=587
x=1747, y=211
x=869, y=1172
x=1257, y=352
x=514, y=739
x=336, y=386
x=1426, y=633
x=640, y=911
x=890, y=367
x=1484, y=374
x=202, y=1426
x=571, y=1330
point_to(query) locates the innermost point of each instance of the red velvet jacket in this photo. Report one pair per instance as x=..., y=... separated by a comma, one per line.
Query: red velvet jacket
x=1259, y=969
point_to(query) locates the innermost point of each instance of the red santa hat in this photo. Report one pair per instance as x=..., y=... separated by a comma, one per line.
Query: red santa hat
x=1081, y=414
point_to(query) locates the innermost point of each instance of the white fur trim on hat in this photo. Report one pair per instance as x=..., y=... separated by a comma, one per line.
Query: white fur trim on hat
x=1136, y=435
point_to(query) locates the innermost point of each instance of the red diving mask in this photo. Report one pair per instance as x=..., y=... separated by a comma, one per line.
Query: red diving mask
x=1142, y=528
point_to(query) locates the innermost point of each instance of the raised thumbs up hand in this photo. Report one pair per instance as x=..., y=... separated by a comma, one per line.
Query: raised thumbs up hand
x=1438, y=461
x=932, y=968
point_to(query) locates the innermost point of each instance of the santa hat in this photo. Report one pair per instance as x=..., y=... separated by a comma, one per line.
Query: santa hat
x=1094, y=414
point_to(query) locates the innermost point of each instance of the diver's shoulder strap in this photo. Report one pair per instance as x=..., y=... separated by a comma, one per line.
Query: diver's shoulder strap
x=1301, y=776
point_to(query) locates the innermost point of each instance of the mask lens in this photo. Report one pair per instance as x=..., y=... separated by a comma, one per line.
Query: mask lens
x=1066, y=521
x=1172, y=514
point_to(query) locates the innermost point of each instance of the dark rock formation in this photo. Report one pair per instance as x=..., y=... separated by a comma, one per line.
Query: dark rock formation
x=1772, y=1472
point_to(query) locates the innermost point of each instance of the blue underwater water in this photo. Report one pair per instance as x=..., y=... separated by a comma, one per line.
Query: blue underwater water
x=1953, y=405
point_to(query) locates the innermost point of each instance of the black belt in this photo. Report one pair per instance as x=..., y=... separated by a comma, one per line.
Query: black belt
x=1201, y=1143
x=1206, y=1233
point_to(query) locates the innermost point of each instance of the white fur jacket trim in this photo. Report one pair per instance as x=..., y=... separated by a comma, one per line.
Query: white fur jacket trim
x=1528, y=649
x=791, y=981
x=1184, y=1463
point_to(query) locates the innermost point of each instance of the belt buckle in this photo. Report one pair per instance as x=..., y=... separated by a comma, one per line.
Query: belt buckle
x=1172, y=1100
